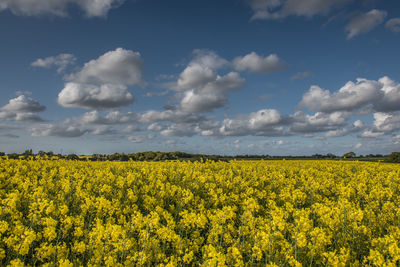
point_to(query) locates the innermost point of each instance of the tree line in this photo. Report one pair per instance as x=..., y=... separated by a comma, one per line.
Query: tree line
x=178, y=155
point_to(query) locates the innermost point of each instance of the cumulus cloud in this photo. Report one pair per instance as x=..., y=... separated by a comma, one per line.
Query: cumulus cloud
x=118, y=67
x=72, y=127
x=91, y=8
x=61, y=130
x=179, y=129
x=357, y=126
x=200, y=70
x=319, y=122
x=371, y=134
x=391, y=95
x=337, y=133
x=393, y=24
x=22, y=108
x=23, y=104
x=365, y=22
x=102, y=83
x=264, y=122
x=194, y=76
x=155, y=127
x=13, y=116
x=61, y=62
x=255, y=63
x=386, y=122
x=277, y=9
x=382, y=95
x=264, y=118
x=175, y=116
x=111, y=118
x=351, y=96
x=200, y=88
x=212, y=95
x=90, y=96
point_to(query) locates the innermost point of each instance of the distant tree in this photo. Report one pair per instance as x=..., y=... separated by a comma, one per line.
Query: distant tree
x=72, y=157
x=393, y=157
x=2, y=154
x=123, y=157
x=349, y=155
x=330, y=156
x=28, y=152
x=13, y=156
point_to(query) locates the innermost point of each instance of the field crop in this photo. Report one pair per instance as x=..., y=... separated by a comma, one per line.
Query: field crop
x=241, y=213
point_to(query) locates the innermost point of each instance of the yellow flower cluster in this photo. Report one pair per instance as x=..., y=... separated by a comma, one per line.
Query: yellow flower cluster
x=241, y=213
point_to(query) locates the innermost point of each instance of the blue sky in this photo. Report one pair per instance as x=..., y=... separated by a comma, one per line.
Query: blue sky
x=271, y=77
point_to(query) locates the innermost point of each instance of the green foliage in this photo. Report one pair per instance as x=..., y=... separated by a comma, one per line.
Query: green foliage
x=72, y=157
x=394, y=157
x=349, y=155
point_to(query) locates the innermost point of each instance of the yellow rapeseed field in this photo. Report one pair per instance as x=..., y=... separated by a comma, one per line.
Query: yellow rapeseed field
x=241, y=213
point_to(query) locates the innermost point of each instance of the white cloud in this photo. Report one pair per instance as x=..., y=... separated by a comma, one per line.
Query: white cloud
x=264, y=122
x=120, y=67
x=208, y=59
x=22, y=108
x=113, y=117
x=155, y=127
x=276, y=9
x=200, y=88
x=73, y=127
x=353, y=128
x=255, y=63
x=386, y=122
x=60, y=130
x=23, y=104
x=365, y=22
x=393, y=24
x=264, y=118
x=136, y=139
x=212, y=95
x=318, y=122
x=179, y=129
x=391, y=97
x=102, y=82
x=176, y=116
x=371, y=134
x=358, y=146
x=270, y=122
x=93, y=96
x=200, y=70
x=280, y=142
x=194, y=76
x=336, y=133
x=206, y=133
x=61, y=62
x=383, y=95
x=91, y=8
x=358, y=124
x=13, y=116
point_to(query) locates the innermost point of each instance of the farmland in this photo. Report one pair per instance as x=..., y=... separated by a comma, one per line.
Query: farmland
x=292, y=213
